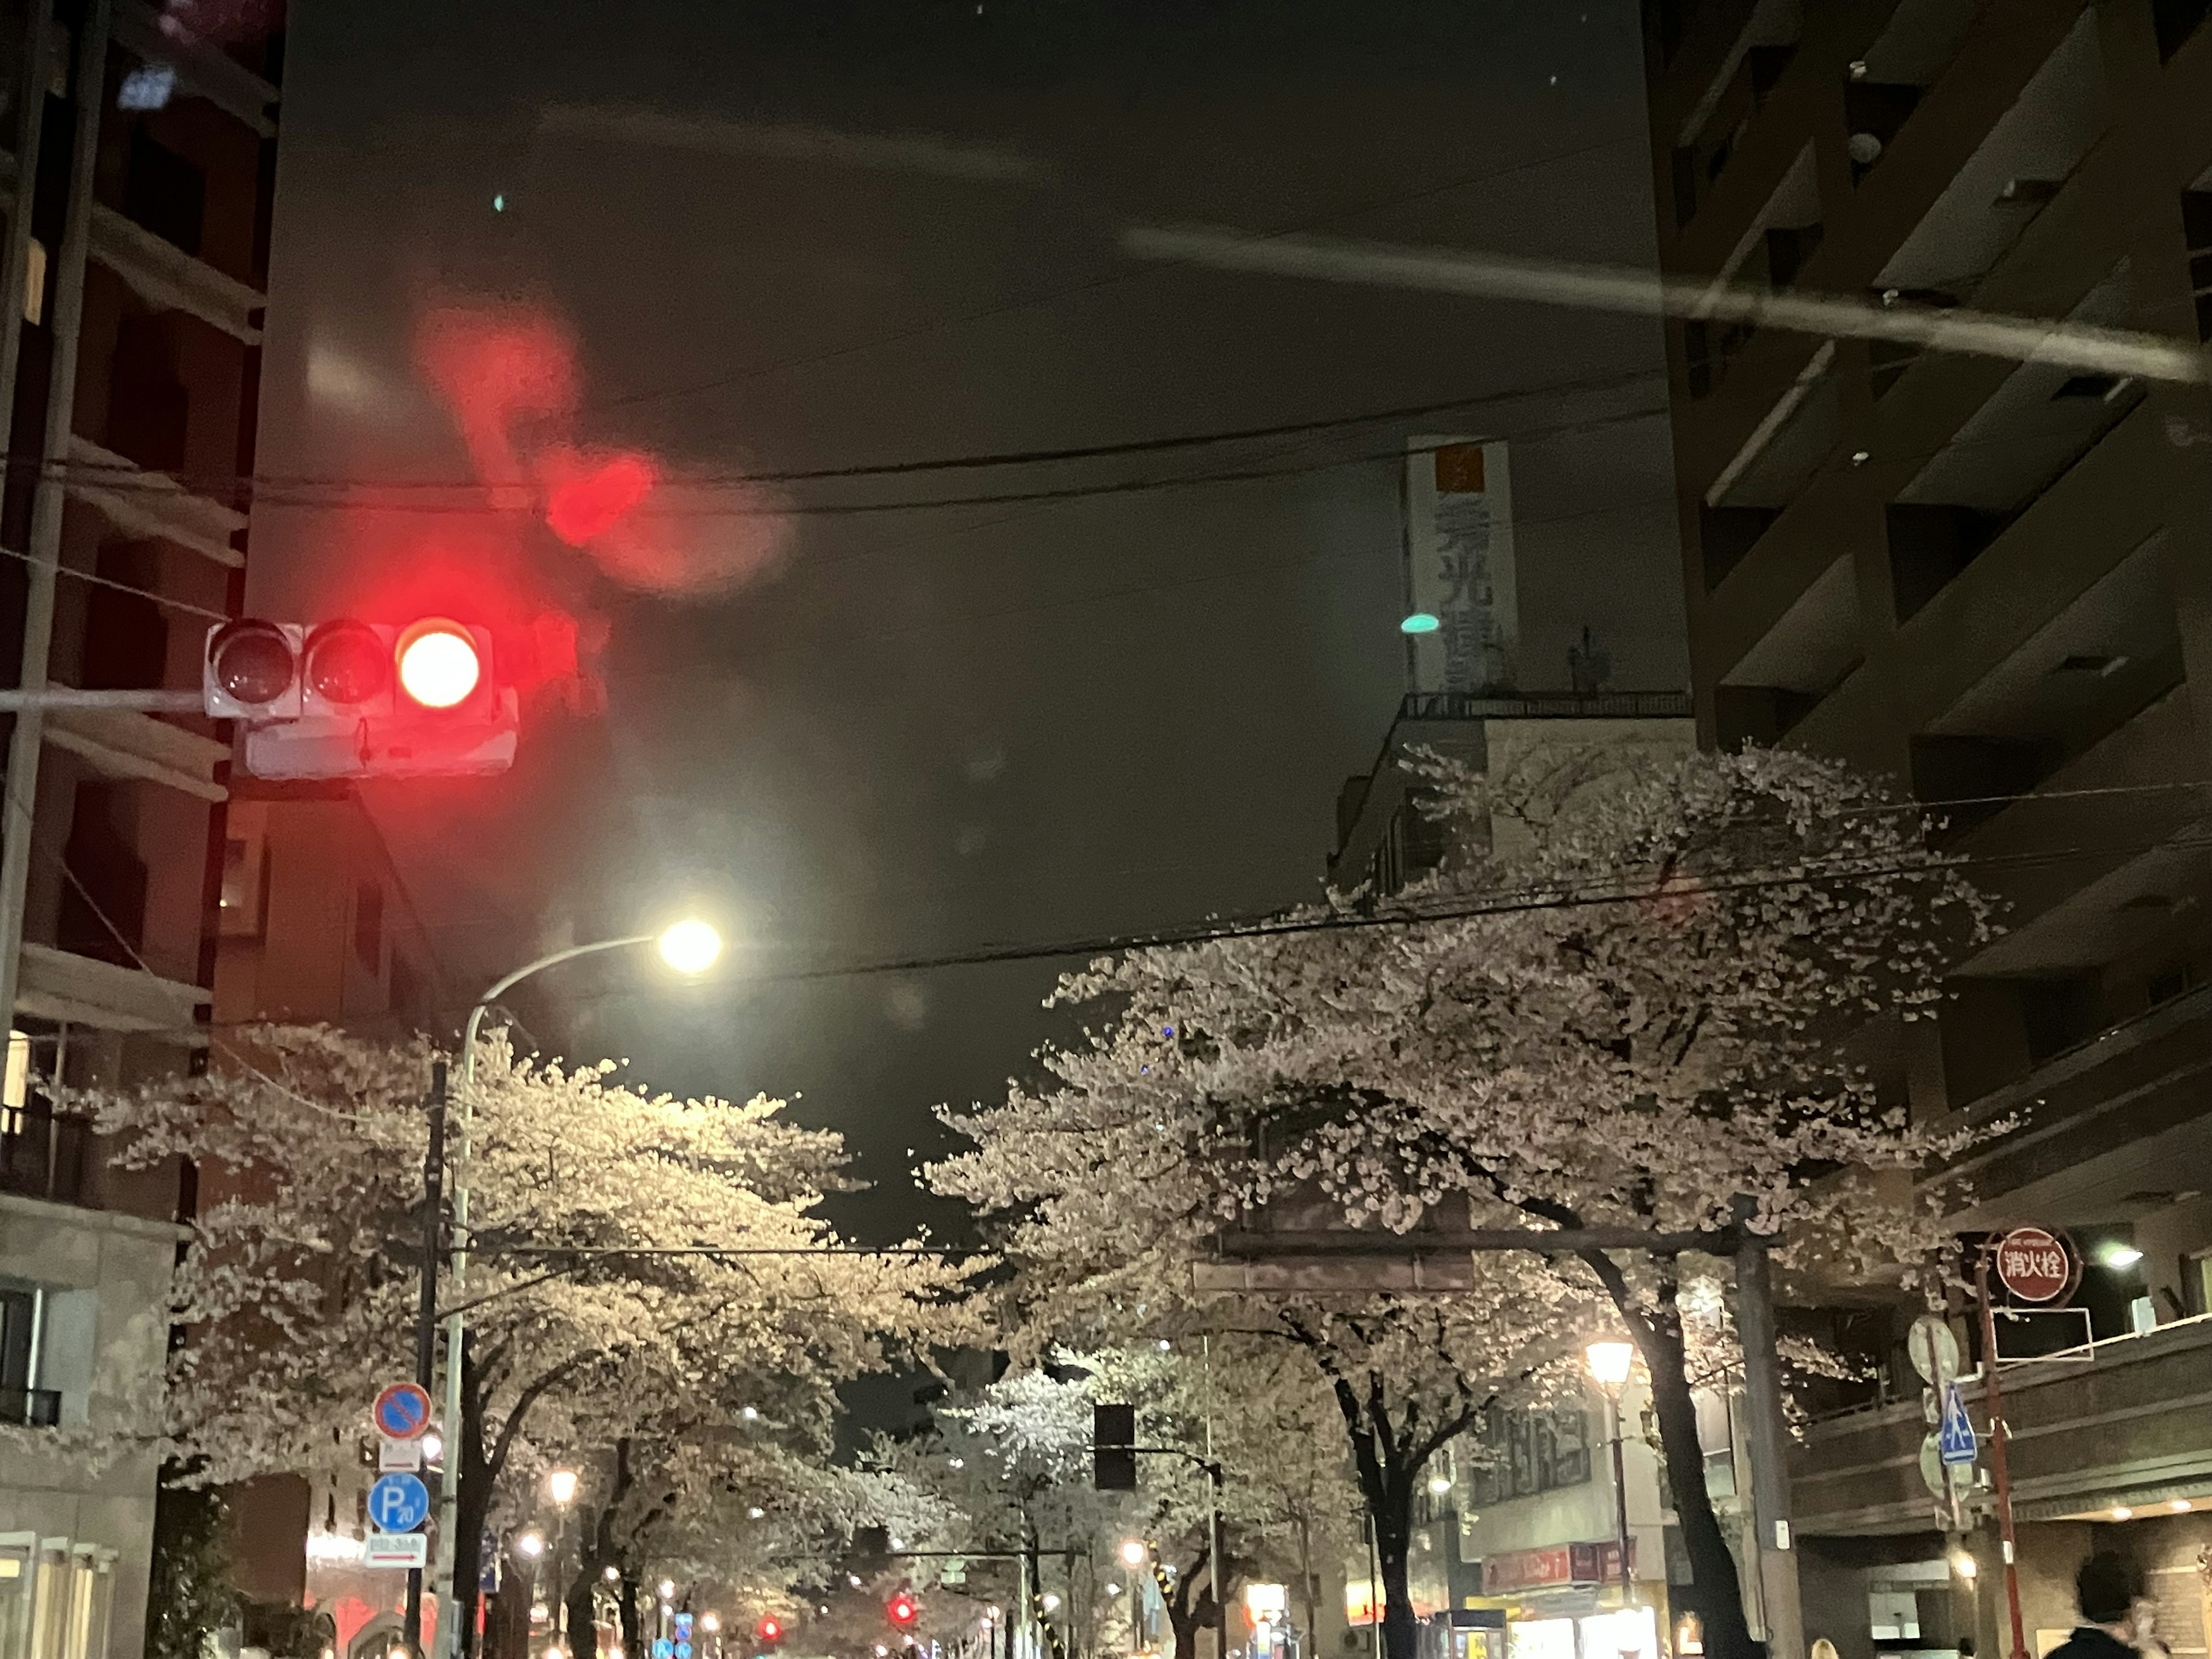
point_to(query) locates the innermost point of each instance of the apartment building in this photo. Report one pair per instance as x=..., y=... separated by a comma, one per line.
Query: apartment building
x=138, y=184
x=1993, y=581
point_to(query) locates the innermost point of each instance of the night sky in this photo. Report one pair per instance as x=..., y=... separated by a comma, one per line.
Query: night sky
x=822, y=235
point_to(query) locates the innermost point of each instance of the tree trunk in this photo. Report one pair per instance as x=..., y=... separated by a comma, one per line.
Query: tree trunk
x=1188, y=1612
x=1394, y=1537
x=633, y=1632
x=1716, y=1592
x=595, y=1554
x=1309, y=1589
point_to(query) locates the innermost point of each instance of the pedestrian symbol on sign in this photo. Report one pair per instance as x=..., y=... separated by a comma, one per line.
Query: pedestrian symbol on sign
x=1956, y=1439
x=398, y=1503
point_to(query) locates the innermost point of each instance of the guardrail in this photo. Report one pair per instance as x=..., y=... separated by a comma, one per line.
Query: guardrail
x=1547, y=705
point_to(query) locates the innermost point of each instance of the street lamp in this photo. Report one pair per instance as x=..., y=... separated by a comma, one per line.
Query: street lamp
x=561, y=1483
x=1133, y=1552
x=1609, y=1365
x=531, y=1544
x=690, y=946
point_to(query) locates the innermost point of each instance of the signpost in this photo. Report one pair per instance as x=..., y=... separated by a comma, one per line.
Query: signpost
x=398, y=1503
x=402, y=1411
x=2034, y=1265
x=397, y=1549
x=1955, y=1441
x=2038, y=1266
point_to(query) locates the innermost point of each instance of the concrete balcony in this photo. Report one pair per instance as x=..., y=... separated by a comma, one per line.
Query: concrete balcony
x=122, y=743
x=202, y=70
x=59, y=985
x=152, y=504
x=170, y=279
x=2121, y=1422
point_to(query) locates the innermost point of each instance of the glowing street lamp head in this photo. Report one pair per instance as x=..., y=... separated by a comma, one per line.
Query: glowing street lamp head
x=438, y=664
x=1610, y=1362
x=531, y=1544
x=691, y=946
x=1133, y=1551
x=562, y=1483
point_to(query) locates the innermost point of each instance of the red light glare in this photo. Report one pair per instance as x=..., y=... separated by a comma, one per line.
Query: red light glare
x=902, y=1610
x=438, y=665
x=582, y=505
x=769, y=1630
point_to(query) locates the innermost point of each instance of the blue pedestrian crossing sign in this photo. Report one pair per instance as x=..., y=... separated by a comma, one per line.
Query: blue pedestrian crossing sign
x=1955, y=1440
x=398, y=1503
x=663, y=1648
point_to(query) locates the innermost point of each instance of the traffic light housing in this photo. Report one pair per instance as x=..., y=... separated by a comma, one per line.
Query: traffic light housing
x=347, y=699
x=902, y=1610
x=1113, y=1448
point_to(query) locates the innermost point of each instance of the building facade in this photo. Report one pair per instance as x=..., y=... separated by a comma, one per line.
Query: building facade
x=137, y=189
x=1992, y=581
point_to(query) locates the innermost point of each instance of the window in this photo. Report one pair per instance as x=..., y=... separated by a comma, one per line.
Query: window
x=2196, y=1281
x=127, y=638
x=2196, y=224
x=368, y=926
x=2174, y=20
x=1529, y=1452
x=23, y=1402
x=164, y=193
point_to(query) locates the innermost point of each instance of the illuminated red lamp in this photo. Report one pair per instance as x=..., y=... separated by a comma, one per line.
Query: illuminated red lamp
x=438, y=663
x=769, y=1629
x=902, y=1610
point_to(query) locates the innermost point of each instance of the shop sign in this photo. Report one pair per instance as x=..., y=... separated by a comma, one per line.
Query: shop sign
x=2034, y=1265
x=1560, y=1564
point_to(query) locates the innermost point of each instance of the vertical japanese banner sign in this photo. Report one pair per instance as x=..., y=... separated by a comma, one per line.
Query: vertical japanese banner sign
x=1459, y=564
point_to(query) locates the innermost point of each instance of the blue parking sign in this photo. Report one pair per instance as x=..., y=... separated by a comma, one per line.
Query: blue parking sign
x=399, y=1502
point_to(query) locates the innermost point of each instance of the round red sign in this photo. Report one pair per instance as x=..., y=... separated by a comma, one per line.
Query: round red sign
x=2034, y=1265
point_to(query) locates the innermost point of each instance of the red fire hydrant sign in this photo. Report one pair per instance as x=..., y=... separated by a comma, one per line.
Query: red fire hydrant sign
x=2034, y=1265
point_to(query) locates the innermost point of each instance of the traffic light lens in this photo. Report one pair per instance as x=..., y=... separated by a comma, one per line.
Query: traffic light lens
x=438, y=665
x=252, y=662
x=345, y=663
x=902, y=1610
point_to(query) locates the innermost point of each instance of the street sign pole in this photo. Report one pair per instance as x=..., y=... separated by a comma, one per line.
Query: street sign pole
x=426, y=1306
x=1993, y=1398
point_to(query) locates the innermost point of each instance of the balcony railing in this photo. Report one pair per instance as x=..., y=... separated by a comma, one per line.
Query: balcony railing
x=43, y=1156
x=1547, y=706
x=30, y=1408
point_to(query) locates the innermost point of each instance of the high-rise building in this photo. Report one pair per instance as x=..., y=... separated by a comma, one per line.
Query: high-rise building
x=138, y=195
x=1993, y=581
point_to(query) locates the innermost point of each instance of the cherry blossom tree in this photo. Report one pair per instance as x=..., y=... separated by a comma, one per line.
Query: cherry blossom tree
x=643, y=1266
x=1629, y=998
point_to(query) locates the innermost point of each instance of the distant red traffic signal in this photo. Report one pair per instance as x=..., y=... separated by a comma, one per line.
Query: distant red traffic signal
x=771, y=1629
x=902, y=1610
x=345, y=698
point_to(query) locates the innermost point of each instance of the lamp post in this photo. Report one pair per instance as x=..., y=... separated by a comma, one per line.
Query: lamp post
x=1609, y=1365
x=691, y=947
x=561, y=1485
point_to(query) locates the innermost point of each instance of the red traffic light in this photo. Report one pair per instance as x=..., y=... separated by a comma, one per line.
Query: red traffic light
x=769, y=1629
x=902, y=1610
x=439, y=666
x=352, y=699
